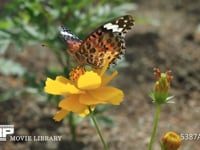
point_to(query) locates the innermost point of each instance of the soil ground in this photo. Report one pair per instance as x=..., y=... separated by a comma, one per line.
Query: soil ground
x=170, y=40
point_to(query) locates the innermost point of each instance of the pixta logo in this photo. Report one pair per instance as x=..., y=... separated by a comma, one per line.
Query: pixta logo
x=5, y=130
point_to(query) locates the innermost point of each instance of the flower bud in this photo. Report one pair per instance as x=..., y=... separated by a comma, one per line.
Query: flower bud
x=171, y=141
x=161, y=87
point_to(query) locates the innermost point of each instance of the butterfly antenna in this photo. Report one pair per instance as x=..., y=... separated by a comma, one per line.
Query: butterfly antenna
x=47, y=45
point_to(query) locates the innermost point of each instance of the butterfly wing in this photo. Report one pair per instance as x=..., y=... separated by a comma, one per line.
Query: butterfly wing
x=67, y=34
x=106, y=42
x=72, y=40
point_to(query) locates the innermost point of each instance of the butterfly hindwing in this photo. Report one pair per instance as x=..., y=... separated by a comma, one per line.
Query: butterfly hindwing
x=67, y=34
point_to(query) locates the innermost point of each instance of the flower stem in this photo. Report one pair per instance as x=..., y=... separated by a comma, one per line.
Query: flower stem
x=155, y=126
x=97, y=128
x=72, y=125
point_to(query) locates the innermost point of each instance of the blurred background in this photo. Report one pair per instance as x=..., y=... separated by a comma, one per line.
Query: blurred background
x=166, y=35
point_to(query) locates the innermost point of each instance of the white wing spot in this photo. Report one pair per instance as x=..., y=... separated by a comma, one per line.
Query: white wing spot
x=66, y=33
x=113, y=27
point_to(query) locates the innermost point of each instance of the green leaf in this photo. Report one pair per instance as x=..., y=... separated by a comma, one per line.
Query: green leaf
x=106, y=120
x=8, y=95
x=9, y=67
x=124, y=8
x=4, y=41
x=5, y=24
x=4, y=45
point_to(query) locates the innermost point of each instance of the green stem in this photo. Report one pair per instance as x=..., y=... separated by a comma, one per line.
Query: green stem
x=155, y=126
x=97, y=128
x=72, y=125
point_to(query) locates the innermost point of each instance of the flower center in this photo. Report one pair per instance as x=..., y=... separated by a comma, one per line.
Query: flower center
x=76, y=73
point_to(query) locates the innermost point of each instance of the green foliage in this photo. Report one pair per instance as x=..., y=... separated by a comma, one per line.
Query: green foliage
x=4, y=41
x=36, y=21
x=9, y=67
x=14, y=94
x=103, y=119
x=9, y=95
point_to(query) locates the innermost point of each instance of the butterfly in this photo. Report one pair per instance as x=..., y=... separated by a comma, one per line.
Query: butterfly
x=105, y=43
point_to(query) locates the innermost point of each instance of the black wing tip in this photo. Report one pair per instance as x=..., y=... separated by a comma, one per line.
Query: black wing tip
x=63, y=28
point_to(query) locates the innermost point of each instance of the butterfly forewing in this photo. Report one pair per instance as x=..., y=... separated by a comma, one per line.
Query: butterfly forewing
x=120, y=25
x=106, y=42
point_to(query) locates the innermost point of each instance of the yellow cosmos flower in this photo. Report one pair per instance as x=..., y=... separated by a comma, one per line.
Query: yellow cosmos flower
x=83, y=89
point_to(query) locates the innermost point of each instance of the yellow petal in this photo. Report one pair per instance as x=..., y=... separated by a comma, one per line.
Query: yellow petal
x=105, y=67
x=60, y=115
x=86, y=111
x=62, y=79
x=90, y=80
x=72, y=104
x=88, y=99
x=107, y=95
x=60, y=86
x=107, y=79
